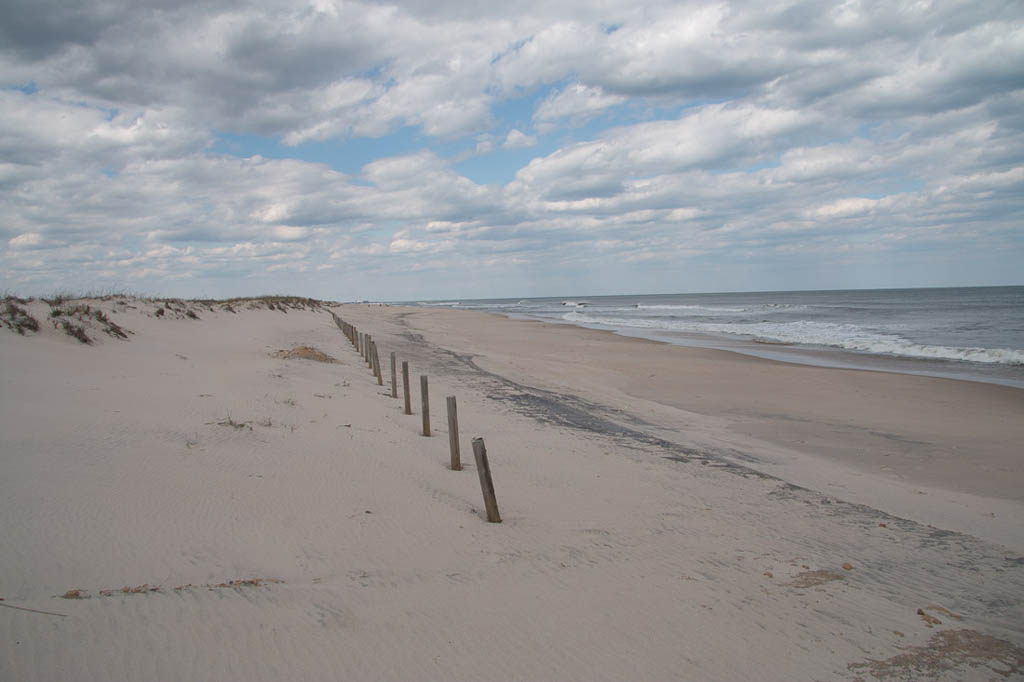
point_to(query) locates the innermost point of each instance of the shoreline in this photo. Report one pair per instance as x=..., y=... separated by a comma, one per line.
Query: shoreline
x=891, y=438
x=810, y=355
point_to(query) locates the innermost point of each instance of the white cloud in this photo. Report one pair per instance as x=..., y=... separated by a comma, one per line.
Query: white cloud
x=576, y=102
x=517, y=139
x=740, y=131
x=28, y=240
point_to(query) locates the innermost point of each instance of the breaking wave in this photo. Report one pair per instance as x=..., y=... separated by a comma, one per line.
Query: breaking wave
x=844, y=336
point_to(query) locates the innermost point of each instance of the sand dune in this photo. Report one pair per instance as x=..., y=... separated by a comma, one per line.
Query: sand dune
x=274, y=516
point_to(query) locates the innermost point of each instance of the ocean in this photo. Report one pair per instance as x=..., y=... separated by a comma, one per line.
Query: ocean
x=974, y=333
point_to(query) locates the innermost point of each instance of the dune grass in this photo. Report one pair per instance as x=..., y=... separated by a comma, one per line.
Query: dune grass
x=80, y=316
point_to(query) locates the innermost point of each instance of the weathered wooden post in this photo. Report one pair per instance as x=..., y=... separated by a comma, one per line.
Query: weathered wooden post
x=484, y=469
x=394, y=380
x=453, y=434
x=405, y=386
x=426, y=405
x=368, y=355
x=376, y=365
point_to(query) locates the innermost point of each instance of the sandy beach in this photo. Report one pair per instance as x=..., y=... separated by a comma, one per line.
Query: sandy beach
x=199, y=498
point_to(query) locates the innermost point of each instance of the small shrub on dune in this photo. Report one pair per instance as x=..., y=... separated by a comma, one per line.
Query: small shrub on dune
x=109, y=326
x=76, y=331
x=16, y=318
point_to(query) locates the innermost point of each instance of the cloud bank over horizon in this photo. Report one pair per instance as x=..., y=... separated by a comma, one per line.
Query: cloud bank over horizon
x=418, y=150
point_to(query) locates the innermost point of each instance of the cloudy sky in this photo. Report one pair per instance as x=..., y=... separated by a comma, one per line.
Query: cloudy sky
x=458, y=148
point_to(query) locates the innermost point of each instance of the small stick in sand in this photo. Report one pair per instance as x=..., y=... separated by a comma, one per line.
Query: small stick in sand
x=405, y=386
x=453, y=434
x=426, y=405
x=25, y=608
x=394, y=380
x=486, y=485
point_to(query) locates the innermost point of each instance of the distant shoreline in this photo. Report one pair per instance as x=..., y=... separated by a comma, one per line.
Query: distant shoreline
x=865, y=336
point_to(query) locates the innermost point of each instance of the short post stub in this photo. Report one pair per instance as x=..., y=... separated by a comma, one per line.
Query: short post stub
x=394, y=378
x=486, y=484
x=405, y=386
x=426, y=405
x=453, y=434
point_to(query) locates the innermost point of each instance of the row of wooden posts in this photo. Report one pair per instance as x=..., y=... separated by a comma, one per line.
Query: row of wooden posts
x=367, y=348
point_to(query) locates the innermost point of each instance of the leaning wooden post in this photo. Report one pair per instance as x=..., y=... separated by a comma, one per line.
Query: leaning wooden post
x=394, y=379
x=453, y=434
x=368, y=355
x=426, y=405
x=376, y=366
x=484, y=469
x=405, y=386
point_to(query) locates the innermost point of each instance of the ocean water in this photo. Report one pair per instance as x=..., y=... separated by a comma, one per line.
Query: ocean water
x=974, y=333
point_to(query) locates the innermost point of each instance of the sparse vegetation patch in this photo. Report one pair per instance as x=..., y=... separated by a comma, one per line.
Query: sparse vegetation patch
x=16, y=318
x=304, y=353
x=948, y=650
x=813, y=578
x=76, y=331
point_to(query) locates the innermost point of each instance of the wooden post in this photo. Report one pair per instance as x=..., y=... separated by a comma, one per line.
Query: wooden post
x=484, y=469
x=368, y=354
x=394, y=380
x=376, y=366
x=426, y=405
x=453, y=434
x=405, y=386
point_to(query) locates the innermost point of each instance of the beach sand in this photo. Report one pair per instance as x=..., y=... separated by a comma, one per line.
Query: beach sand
x=192, y=503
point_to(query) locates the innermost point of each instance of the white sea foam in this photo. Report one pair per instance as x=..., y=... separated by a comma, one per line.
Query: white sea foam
x=845, y=336
x=715, y=309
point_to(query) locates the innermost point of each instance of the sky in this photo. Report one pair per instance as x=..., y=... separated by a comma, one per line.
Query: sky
x=447, y=149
